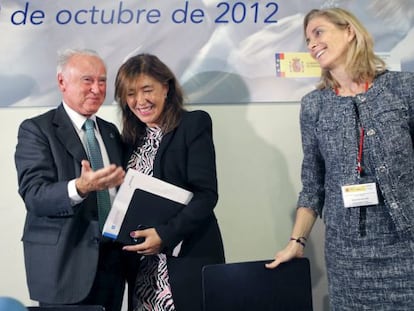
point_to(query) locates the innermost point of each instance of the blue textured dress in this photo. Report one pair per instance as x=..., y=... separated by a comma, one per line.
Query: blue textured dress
x=369, y=250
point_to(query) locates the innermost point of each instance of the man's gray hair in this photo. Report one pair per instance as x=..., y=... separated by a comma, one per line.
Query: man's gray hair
x=65, y=55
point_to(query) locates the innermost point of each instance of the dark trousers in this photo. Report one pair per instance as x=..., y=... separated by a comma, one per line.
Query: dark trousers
x=109, y=284
x=115, y=267
x=130, y=267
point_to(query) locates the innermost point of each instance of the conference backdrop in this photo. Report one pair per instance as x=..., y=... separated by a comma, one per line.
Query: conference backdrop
x=222, y=52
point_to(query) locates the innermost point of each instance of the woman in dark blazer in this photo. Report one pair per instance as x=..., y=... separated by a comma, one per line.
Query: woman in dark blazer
x=166, y=141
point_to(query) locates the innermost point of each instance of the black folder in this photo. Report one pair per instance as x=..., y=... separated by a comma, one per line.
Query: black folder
x=143, y=202
x=246, y=286
x=146, y=210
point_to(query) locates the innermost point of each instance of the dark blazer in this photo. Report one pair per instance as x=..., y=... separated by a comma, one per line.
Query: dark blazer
x=186, y=158
x=61, y=242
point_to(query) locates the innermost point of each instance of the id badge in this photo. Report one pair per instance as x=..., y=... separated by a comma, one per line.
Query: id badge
x=360, y=195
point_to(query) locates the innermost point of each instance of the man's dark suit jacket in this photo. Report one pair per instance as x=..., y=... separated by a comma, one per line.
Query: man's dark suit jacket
x=61, y=242
x=186, y=158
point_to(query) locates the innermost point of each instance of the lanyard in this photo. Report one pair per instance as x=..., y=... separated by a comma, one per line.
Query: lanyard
x=360, y=148
x=361, y=135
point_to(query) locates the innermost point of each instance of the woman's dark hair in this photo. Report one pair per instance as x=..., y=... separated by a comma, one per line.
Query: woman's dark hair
x=133, y=129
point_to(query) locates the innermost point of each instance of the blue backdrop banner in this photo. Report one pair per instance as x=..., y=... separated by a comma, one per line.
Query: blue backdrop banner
x=223, y=52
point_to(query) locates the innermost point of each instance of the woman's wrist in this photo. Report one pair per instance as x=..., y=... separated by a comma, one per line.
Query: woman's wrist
x=300, y=240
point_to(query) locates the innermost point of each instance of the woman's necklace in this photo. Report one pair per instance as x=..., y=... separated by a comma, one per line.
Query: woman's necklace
x=350, y=92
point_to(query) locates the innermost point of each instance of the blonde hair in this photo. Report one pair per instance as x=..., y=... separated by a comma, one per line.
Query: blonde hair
x=361, y=64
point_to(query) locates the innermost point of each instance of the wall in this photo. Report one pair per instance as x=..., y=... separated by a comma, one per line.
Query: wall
x=258, y=158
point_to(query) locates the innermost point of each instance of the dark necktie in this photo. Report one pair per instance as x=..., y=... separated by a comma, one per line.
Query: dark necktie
x=95, y=158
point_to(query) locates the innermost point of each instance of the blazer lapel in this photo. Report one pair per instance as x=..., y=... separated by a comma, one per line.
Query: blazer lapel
x=111, y=141
x=66, y=133
x=161, y=150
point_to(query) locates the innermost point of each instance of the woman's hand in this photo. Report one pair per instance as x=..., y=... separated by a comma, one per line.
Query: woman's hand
x=292, y=250
x=151, y=245
x=305, y=218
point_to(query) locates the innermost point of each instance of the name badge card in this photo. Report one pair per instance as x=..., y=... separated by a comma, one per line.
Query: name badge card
x=360, y=195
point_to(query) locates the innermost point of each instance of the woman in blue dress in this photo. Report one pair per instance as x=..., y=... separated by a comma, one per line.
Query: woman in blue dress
x=357, y=132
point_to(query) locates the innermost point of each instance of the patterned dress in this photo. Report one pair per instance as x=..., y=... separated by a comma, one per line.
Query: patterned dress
x=152, y=288
x=369, y=250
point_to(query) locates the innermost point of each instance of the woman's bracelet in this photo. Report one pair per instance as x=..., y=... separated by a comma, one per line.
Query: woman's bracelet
x=301, y=240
